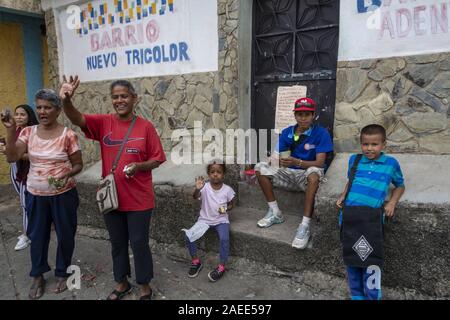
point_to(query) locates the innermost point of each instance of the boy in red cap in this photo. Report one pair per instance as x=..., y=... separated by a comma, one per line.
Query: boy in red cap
x=301, y=151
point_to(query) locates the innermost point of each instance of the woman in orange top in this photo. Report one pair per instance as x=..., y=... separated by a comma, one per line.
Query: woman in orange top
x=55, y=158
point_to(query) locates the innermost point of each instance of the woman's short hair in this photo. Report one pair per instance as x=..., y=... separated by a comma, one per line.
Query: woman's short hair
x=123, y=83
x=48, y=95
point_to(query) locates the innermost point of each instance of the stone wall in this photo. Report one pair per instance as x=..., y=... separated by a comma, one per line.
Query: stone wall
x=33, y=6
x=170, y=102
x=409, y=96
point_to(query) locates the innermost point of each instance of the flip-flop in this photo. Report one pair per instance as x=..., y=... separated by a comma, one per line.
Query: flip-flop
x=147, y=296
x=61, y=286
x=120, y=294
x=38, y=290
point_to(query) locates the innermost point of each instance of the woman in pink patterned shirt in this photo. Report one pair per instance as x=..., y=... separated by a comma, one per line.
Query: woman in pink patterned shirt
x=55, y=158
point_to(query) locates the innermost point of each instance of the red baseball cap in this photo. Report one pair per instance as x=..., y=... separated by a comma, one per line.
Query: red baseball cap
x=305, y=104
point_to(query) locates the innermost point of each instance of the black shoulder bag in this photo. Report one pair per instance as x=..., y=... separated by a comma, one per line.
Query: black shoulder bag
x=361, y=231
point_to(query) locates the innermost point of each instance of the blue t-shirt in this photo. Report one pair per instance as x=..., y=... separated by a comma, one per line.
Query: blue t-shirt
x=318, y=140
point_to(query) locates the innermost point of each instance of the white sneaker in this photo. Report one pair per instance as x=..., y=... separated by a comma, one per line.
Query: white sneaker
x=23, y=242
x=270, y=219
x=302, y=237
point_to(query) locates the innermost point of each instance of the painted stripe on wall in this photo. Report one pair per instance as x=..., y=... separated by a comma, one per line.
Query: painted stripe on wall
x=32, y=48
x=33, y=59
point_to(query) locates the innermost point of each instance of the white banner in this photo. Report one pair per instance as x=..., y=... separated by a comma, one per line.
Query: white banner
x=388, y=28
x=112, y=39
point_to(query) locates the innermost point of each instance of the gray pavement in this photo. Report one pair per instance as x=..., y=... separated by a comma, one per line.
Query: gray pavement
x=245, y=280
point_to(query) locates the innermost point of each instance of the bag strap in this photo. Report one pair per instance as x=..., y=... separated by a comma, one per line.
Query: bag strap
x=300, y=140
x=116, y=160
x=352, y=174
x=295, y=144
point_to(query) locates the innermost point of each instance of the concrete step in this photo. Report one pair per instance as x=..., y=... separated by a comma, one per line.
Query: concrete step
x=243, y=220
x=176, y=209
x=273, y=245
x=251, y=196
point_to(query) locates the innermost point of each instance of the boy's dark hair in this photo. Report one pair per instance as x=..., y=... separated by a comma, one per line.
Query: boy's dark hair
x=220, y=163
x=125, y=84
x=373, y=129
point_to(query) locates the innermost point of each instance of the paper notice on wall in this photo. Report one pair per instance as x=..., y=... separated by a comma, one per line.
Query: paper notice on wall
x=286, y=97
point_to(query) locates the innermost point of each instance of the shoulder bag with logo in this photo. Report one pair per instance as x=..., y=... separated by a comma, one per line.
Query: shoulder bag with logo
x=361, y=231
x=106, y=196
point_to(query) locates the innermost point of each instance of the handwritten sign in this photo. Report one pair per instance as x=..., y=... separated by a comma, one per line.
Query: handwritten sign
x=286, y=97
x=390, y=28
x=113, y=39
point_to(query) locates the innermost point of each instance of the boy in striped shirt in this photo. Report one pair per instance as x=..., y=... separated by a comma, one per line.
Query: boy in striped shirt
x=375, y=172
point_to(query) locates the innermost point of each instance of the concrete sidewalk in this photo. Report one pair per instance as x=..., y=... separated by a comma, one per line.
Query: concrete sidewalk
x=245, y=280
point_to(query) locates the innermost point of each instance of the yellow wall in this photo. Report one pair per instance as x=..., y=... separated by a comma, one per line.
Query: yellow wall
x=12, y=75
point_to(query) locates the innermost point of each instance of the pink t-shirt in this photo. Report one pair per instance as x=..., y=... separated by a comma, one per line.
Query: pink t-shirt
x=49, y=158
x=212, y=200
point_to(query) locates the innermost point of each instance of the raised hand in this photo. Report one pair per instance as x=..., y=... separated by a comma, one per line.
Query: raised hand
x=199, y=183
x=7, y=119
x=68, y=88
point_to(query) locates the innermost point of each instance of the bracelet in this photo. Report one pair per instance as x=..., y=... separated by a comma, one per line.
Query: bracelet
x=300, y=164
